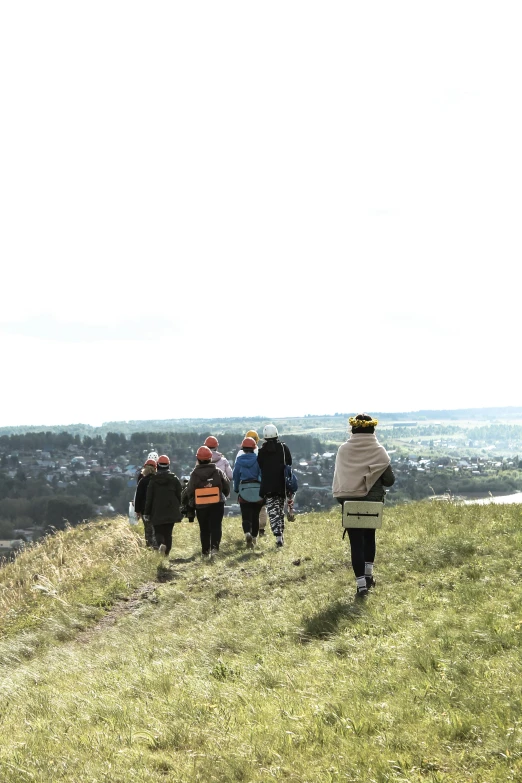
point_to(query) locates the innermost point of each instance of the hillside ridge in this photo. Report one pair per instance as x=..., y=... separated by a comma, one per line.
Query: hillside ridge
x=261, y=666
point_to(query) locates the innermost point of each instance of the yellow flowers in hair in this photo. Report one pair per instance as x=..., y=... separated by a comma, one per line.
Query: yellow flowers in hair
x=361, y=423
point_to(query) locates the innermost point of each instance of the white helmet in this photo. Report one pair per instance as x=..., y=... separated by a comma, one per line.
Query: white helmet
x=270, y=431
x=153, y=455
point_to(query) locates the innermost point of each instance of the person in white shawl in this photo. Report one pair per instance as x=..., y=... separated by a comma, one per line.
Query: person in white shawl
x=362, y=471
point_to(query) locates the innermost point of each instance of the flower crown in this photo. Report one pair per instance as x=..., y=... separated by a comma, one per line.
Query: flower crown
x=362, y=423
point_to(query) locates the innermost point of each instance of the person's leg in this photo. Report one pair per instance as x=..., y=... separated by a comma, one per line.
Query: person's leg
x=369, y=556
x=290, y=514
x=356, y=536
x=168, y=537
x=255, y=511
x=216, y=520
x=160, y=535
x=275, y=507
x=150, y=539
x=245, y=518
x=203, y=518
x=263, y=519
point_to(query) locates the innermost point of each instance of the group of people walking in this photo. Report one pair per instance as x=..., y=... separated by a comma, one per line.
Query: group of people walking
x=362, y=473
x=258, y=477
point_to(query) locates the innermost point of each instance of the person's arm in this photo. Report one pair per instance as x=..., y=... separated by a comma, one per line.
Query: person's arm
x=178, y=489
x=149, y=500
x=228, y=470
x=225, y=484
x=288, y=456
x=236, y=475
x=388, y=477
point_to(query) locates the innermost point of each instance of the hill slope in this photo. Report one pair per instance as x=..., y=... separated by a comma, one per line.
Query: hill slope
x=260, y=666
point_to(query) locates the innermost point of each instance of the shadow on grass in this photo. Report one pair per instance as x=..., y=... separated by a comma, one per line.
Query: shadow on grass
x=326, y=622
x=164, y=573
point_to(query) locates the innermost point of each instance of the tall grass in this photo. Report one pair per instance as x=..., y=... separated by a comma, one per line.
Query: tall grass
x=261, y=666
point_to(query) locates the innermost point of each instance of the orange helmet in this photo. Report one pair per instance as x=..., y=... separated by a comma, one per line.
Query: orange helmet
x=151, y=462
x=248, y=443
x=163, y=461
x=203, y=453
x=211, y=442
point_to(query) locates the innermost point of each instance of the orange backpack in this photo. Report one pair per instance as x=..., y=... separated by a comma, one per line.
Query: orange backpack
x=207, y=495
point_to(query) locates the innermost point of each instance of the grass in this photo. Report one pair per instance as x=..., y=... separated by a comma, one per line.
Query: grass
x=261, y=666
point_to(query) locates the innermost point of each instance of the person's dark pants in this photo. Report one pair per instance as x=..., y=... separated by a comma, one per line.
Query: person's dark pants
x=163, y=535
x=150, y=540
x=362, y=545
x=250, y=518
x=210, y=518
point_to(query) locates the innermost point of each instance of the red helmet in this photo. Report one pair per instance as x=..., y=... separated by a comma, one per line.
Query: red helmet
x=151, y=462
x=203, y=453
x=248, y=443
x=163, y=461
x=211, y=442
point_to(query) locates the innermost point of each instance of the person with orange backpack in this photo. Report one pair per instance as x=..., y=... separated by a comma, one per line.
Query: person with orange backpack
x=206, y=491
x=247, y=482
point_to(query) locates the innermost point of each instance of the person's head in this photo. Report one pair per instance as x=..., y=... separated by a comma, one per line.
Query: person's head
x=362, y=423
x=252, y=434
x=204, y=455
x=149, y=467
x=248, y=445
x=163, y=463
x=212, y=442
x=270, y=431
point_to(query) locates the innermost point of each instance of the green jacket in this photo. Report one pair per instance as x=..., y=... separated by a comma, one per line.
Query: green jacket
x=163, y=500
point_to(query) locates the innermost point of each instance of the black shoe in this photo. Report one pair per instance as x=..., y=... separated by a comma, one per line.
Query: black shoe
x=361, y=593
x=261, y=532
x=370, y=582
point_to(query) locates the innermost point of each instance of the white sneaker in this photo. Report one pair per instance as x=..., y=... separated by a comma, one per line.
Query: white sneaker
x=248, y=540
x=163, y=549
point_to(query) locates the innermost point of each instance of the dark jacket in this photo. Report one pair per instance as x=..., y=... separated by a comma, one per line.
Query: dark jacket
x=271, y=463
x=141, y=493
x=377, y=493
x=163, y=500
x=207, y=476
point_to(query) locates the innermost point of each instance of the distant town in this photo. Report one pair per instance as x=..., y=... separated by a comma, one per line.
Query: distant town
x=51, y=479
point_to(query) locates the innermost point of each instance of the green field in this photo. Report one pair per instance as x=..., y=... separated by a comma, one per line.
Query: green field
x=119, y=667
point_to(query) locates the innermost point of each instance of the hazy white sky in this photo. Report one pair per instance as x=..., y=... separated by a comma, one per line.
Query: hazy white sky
x=277, y=208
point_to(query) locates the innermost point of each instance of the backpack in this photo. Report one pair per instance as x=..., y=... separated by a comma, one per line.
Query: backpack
x=207, y=495
x=249, y=491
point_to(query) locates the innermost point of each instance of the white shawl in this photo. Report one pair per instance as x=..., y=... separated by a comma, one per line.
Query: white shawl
x=359, y=463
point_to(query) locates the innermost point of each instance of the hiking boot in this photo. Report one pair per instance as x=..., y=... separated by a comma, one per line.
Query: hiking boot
x=261, y=532
x=214, y=551
x=162, y=549
x=370, y=582
x=290, y=517
x=248, y=540
x=280, y=541
x=362, y=593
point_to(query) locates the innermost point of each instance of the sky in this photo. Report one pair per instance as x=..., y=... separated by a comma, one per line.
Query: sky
x=280, y=208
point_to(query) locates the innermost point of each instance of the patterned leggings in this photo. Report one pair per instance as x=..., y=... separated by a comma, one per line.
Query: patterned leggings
x=275, y=506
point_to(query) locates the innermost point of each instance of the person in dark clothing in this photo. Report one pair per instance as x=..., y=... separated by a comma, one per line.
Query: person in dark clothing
x=362, y=471
x=247, y=481
x=206, y=492
x=148, y=470
x=272, y=457
x=162, y=504
x=186, y=510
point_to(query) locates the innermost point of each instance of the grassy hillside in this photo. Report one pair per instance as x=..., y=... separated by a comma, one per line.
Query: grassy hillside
x=261, y=666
